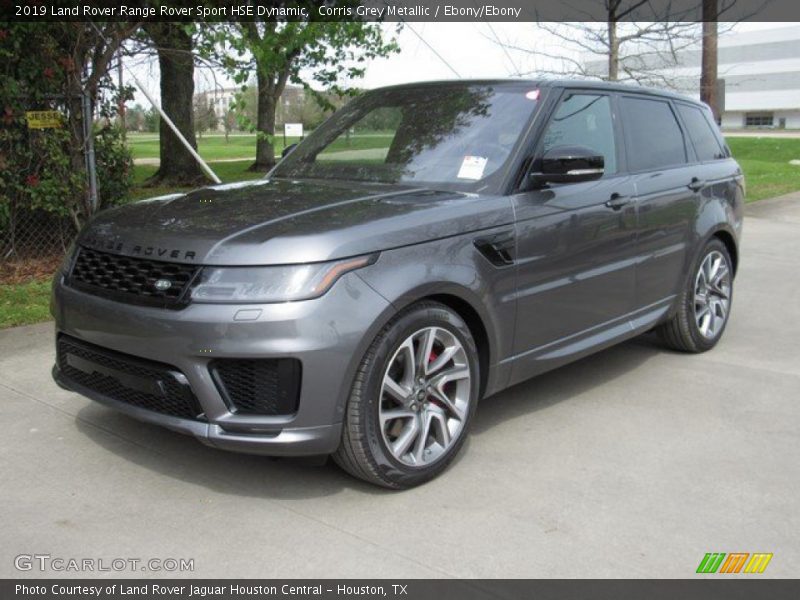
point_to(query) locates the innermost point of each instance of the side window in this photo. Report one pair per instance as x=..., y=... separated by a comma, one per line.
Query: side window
x=584, y=120
x=699, y=129
x=653, y=138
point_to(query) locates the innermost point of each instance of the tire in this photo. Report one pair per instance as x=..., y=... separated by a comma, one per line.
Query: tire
x=689, y=329
x=386, y=385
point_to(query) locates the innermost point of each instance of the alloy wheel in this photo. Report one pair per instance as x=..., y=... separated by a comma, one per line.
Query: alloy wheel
x=425, y=397
x=712, y=294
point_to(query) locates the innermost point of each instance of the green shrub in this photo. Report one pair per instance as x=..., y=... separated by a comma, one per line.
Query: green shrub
x=43, y=171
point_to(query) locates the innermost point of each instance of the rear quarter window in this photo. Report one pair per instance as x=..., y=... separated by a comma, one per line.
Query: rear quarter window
x=653, y=137
x=701, y=134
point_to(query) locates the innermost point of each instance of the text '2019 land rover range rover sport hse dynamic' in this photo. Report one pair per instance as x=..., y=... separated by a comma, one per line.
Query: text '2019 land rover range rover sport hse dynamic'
x=359, y=302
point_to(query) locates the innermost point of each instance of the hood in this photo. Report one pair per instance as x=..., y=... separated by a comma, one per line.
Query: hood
x=268, y=222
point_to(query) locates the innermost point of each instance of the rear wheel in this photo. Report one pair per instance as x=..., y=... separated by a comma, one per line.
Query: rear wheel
x=412, y=399
x=704, y=304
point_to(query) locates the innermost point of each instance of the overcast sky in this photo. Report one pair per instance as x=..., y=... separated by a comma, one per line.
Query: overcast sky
x=470, y=49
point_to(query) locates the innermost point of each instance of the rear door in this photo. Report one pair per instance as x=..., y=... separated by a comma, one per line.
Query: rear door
x=720, y=174
x=667, y=188
x=576, y=243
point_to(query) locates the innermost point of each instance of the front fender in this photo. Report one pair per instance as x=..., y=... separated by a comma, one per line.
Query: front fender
x=453, y=268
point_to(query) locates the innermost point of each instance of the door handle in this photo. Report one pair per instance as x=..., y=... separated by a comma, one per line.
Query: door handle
x=696, y=184
x=617, y=201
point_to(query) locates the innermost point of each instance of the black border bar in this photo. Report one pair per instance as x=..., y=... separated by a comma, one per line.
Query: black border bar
x=390, y=10
x=702, y=588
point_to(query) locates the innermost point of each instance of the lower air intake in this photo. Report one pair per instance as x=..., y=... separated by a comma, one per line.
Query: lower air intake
x=259, y=386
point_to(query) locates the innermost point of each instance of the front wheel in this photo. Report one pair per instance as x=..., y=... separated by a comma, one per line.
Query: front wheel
x=412, y=400
x=704, y=304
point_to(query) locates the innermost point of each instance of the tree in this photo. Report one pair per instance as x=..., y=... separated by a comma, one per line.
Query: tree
x=205, y=118
x=60, y=66
x=89, y=49
x=152, y=120
x=135, y=118
x=310, y=111
x=229, y=123
x=283, y=51
x=174, y=45
x=621, y=49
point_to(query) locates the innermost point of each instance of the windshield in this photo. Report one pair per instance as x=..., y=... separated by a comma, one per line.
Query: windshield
x=456, y=135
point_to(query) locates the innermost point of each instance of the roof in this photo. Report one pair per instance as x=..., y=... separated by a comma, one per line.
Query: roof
x=554, y=83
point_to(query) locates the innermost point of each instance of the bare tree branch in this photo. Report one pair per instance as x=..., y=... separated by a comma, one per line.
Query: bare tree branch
x=641, y=41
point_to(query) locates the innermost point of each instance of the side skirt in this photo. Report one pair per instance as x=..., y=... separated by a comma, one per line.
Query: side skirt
x=566, y=350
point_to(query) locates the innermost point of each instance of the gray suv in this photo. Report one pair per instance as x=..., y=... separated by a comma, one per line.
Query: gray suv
x=427, y=246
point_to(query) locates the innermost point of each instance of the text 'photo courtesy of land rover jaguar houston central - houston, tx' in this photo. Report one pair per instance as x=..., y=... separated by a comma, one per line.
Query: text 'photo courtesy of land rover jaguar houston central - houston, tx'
x=359, y=302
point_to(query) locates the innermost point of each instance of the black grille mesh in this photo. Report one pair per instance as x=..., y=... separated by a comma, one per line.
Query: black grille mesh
x=259, y=386
x=131, y=279
x=127, y=379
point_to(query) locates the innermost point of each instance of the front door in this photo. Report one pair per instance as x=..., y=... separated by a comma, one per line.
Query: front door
x=576, y=245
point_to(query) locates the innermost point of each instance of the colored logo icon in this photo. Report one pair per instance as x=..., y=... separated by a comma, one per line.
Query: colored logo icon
x=734, y=562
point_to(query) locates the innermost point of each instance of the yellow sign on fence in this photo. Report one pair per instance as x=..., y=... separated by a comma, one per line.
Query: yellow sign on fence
x=43, y=119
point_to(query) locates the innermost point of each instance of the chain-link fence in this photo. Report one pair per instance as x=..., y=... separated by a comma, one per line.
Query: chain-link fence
x=31, y=234
x=37, y=149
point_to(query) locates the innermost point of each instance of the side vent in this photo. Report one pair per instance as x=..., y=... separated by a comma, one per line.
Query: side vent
x=498, y=248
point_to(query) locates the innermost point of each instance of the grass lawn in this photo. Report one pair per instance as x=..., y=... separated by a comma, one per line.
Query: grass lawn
x=210, y=147
x=24, y=303
x=226, y=171
x=765, y=162
x=214, y=147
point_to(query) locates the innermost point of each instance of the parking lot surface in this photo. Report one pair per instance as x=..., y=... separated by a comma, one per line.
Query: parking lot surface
x=632, y=463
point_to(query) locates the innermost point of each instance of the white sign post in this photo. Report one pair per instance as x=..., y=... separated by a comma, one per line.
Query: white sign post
x=293, y=130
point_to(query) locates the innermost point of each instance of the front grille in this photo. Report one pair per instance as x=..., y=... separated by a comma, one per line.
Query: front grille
x=130, y=279
x=259, y=386
x=135, y=381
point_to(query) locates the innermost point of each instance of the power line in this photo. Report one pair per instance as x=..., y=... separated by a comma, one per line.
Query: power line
x=432, y=49
x=503, y=46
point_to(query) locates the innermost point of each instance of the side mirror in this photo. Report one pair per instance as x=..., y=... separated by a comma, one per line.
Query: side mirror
x=288, y=149
x=568, y=164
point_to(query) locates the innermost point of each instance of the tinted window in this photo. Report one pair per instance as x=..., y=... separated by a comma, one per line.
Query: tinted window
x=700, y=132
x=652, y=135
x=584, y=120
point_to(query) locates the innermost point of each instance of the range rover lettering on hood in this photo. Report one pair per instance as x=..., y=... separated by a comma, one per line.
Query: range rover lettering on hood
x=137, y=249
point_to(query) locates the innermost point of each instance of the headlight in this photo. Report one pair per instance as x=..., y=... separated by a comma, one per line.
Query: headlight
x=236, y=285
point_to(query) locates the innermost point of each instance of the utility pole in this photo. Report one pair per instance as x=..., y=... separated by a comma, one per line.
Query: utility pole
x=89, y=156
x=708, y=75
x=121, y=101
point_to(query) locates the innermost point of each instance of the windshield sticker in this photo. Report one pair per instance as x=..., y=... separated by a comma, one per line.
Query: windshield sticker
x=532, y=95
x=472, y=167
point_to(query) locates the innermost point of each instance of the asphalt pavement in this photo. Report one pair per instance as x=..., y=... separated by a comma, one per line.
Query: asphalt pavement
x=632, y=463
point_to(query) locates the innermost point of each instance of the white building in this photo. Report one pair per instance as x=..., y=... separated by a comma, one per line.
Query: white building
x=761, y=70
x=761, y=73
x=222, y=99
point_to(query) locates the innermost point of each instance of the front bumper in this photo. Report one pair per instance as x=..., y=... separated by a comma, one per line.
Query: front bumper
x=329, y=335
